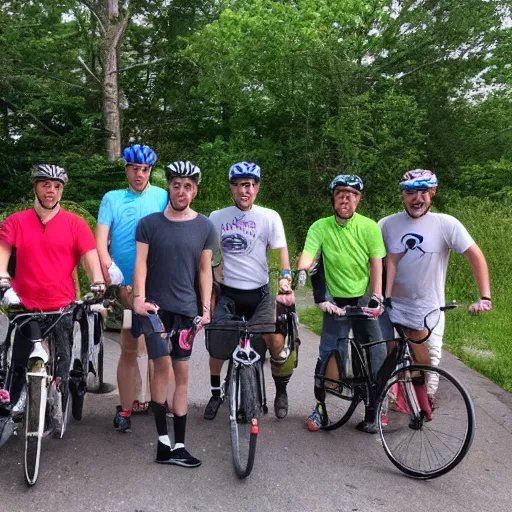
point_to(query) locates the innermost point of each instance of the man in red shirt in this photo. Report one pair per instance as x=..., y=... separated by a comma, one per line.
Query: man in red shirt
x=50, y=242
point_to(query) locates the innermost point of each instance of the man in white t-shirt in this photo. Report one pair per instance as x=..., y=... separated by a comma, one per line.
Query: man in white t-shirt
x=246, y=231
x=418, y=244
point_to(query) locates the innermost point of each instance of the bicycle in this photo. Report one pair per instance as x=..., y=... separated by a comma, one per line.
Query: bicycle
x=423, y=438
x=86, y=374
x=245, y=387
x=33, y=393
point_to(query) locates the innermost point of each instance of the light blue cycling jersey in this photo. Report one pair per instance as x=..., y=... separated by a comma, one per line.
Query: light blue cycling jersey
x=121, y=210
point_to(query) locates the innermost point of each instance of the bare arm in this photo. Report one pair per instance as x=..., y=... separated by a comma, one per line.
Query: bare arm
x=5, y=254
x=305, y=261
x=92, y=266
x=391, y=262
x=376, y=276
x=478, y=265
x=206, y=284
x=140, y=273
x=76, y=282
x=102, y=233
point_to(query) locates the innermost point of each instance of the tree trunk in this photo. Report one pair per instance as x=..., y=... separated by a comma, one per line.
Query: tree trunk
x=114, y=26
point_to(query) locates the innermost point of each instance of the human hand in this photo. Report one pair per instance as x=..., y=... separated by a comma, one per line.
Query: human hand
x=115, y=276
x=330, y=308
x=206, y=318
x=286, y=299
x=10, y=297
x=375, y=305
x=143, y=308
x=97, y=289
x=480, y=306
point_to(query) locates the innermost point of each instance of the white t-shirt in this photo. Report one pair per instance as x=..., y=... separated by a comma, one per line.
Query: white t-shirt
x=244, y=238
x=425, y=243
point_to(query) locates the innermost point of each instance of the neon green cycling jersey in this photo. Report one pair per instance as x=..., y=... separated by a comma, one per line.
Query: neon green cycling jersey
x=346, y=252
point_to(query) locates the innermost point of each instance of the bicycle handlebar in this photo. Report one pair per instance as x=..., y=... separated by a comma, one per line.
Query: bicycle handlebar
x=241, y=325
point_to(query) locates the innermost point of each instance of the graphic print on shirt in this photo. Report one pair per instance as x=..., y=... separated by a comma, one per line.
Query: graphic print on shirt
x=412, y=242
x=238, y=237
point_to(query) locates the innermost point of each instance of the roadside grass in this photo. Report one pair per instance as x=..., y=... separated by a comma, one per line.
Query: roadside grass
x=484, y=341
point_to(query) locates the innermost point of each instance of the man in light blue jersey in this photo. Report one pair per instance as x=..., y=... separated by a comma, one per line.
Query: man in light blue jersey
x=120, y=211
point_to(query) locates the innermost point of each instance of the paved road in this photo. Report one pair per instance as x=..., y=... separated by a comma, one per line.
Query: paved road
x=96, y=468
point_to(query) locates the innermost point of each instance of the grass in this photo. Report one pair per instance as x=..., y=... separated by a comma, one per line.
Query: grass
x=483, y=342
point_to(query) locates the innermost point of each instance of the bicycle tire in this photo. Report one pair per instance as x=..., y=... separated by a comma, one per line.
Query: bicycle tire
x=437, y=445
x=341, y=397
x=95, y=358
x=244, y=413
x=34, y=420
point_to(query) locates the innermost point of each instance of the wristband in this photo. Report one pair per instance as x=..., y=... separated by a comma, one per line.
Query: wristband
x=286, y=274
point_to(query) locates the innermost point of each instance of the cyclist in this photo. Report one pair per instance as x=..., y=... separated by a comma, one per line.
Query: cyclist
x=352, y=249
x=174, y=255
x=418, y=243
x=120, y=210
x=246, y=231
x=49, y=243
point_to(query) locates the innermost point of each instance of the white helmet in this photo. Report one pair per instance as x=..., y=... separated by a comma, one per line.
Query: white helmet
x=182, y=169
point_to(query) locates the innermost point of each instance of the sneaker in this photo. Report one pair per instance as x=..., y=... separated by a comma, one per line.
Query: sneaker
x=281, y=404
x=314, y=421
x=122, y=420
x=370, y=427
x=384, y=420
x=212, y=407
x=178, y=457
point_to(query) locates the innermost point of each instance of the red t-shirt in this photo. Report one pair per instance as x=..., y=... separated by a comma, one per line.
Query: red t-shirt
x=46, y=255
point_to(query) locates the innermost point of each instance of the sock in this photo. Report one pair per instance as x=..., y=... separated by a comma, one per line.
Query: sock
x=177, y=446
x=215, y=384
x=165, y=440
x=180, y=423
x=160, y=412
x=281, y=382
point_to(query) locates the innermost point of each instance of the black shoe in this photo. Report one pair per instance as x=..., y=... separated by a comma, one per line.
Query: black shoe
x=370, y=427
x=178, y=457
x=281, y=404
x=212, y=407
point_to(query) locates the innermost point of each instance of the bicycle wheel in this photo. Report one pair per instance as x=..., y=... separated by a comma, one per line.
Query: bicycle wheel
x=340, y=394
x=34, y=419
x=95, y=357
x=244, y=412
x=431, y=443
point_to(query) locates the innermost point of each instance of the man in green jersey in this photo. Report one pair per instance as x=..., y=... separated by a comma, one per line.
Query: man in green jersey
x=352, y=249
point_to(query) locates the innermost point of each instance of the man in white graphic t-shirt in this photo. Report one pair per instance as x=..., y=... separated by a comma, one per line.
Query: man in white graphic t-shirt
x=246, y=231
x=418, y=243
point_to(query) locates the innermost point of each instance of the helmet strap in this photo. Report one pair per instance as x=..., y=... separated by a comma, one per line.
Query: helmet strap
x=49, y=208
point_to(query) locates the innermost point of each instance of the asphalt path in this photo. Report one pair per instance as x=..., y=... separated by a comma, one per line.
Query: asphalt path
x=96, y=468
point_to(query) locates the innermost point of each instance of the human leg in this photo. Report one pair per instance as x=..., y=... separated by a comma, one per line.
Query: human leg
x=334, y=335
x=366, y=331
x=126, y=371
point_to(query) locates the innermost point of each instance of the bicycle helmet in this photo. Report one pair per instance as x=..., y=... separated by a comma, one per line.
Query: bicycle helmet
x=418, y=179
x=49, y=172
x=347, y=180
x=244, y=170
x=182, y=169
x=138, y=154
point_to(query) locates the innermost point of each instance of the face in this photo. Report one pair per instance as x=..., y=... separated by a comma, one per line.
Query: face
x=138, y=176
x=48, y=192
x=345, y=201
x=417, y=202
x=244, y=192
x=182, y=192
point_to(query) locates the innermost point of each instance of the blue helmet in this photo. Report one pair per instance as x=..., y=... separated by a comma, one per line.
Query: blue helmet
x=347, y=180
x=138, y=154
x=418, y=179
x=244, y=170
